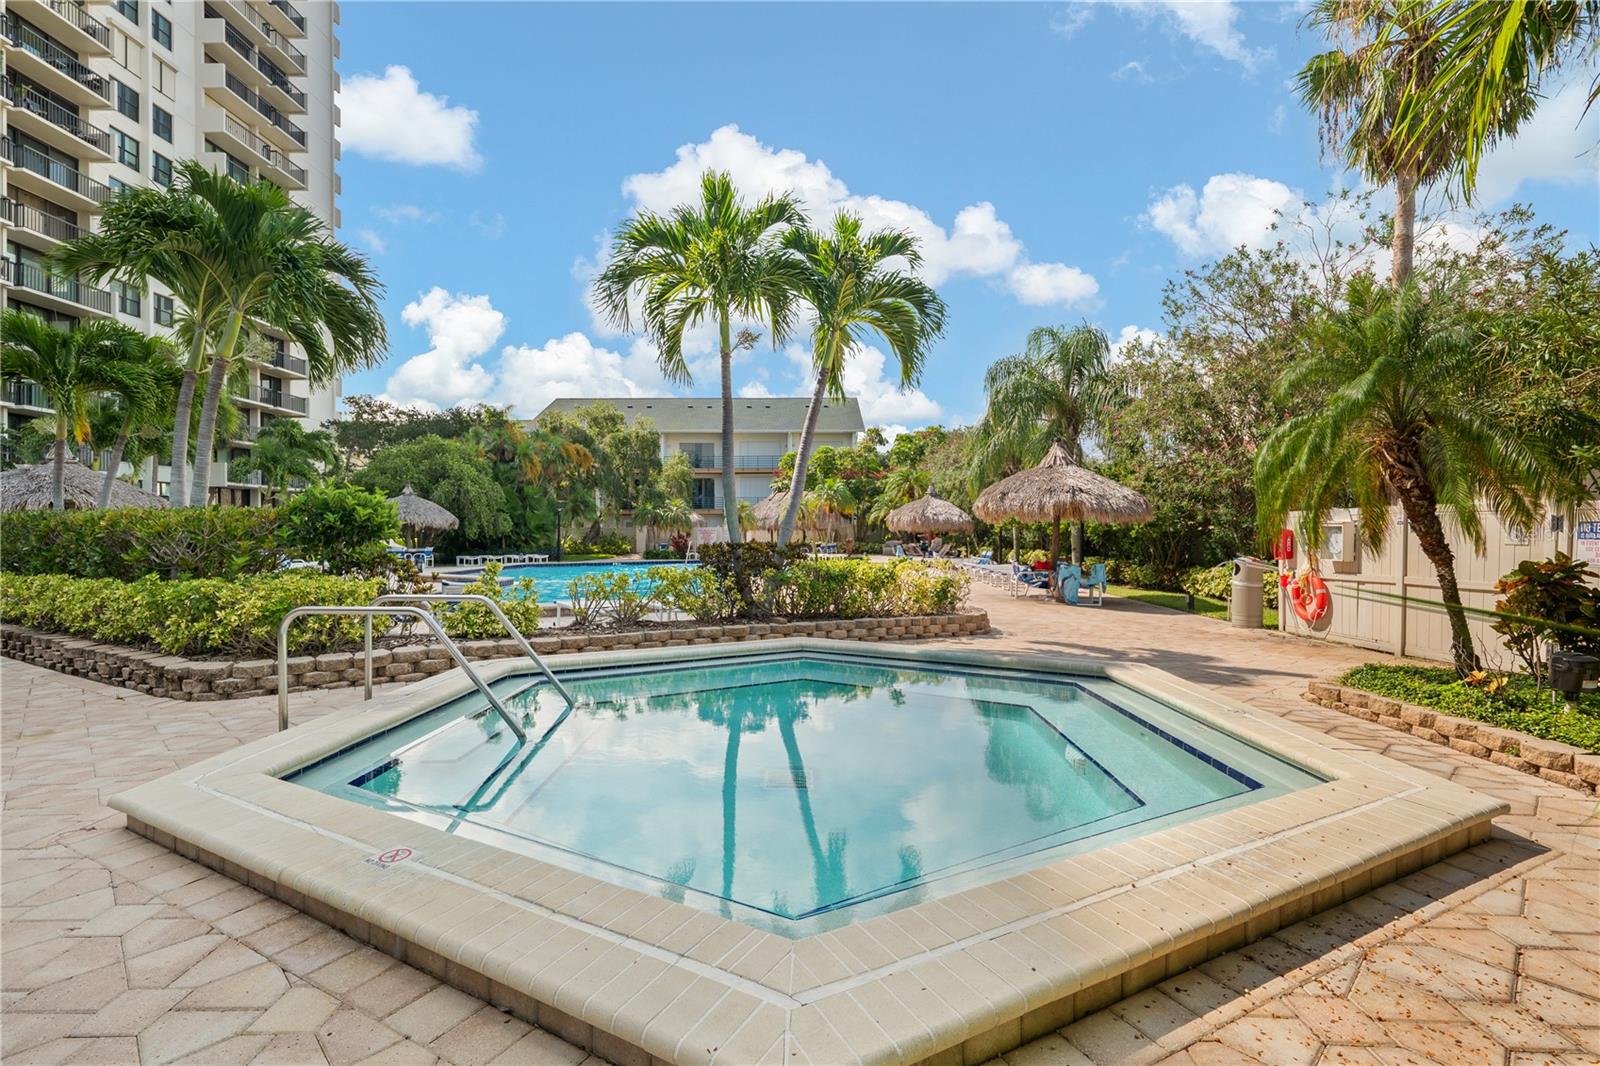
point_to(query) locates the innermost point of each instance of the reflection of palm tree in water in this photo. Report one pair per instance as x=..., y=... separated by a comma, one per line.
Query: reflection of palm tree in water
x=1013, y=758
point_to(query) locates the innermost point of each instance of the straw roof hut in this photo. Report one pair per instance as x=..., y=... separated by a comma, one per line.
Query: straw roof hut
x=929, y=514
x=32, y=488
x=1059, y=490
x=767, y=514
x=420, y=519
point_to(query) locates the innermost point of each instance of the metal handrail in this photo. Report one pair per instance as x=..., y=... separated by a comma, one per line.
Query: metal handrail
x=510, y=627
x=367, y=613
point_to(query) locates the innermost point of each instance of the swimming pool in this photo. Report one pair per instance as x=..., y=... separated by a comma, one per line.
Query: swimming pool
x=799, y=792
x=550, y=580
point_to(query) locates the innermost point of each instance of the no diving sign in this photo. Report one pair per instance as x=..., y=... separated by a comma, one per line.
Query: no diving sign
x=385, y=859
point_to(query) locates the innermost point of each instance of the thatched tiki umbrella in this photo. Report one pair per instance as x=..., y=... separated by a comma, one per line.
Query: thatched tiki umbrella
x=768, y=514
x=1059, y=490
x=929, y=514
x=31, y=488
x=420, y=519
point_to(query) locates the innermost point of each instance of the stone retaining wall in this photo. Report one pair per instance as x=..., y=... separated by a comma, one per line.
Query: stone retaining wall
x=178, y=678
x=1552, y=760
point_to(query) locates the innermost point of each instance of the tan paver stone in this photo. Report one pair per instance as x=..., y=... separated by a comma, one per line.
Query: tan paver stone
x=179, y=1033
x=405, y=1053
x=85, y=992
x=539, y=1048
x=349, y=1036
x=1287, y=1041
x=259, y=987
x=235, y=1051
x=1104, y=1037
x=1514, y=1027
x=291, y=1049
x=433, y=1014
x=480, y=1038
x=302, y=1009
x=129, y=1013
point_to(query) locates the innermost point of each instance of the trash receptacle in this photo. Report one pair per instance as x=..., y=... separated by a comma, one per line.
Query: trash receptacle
x=1247, y=597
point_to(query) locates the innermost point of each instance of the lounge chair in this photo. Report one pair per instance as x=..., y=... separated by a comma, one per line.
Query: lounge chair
x=1025, y=580
x=1073, y=582
x=914, y=551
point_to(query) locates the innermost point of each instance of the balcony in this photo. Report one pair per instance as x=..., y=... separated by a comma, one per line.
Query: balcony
x=278, y=120
x=38, y=56
x=68, y=290
x=291, y=364
x=283, y=401
x=259, y=33
x=252, y=478
x=29, y=218
x=30, y=101
x=68, y=20
x=58, y=173
x=287, y=15
x=246, y=434
x=236, y=136
x=25, y=393
x=756, y=462
x=217, y=30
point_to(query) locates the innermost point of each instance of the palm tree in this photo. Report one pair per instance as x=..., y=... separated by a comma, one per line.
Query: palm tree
x=1407, y=418
x=234, y=254
x=286, y=451
x=832, y=500
x=1359, y=95
x=72, y=367
x=1059, y=389
x=852, y=293
x=711, y=262
x=675, y=516
x=141, y=411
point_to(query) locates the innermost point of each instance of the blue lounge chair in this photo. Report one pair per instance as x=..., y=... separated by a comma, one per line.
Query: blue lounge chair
x=1072, y=583
x=1024, y=580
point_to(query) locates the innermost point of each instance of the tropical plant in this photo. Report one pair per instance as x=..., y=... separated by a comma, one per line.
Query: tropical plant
x=343, y=528
x=714, y=262
x=853, y=292
x=1359, y=94
x=831, y=501
x=1058, y=390
x=1403, y=415
x=452, y=474
x=232, y=254
x=139, y=413
x=285, y=451
x=1548, y=604
x=72, y=367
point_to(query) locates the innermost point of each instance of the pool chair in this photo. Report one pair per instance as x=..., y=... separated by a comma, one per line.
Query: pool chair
x=1073, y=583
x=1024, y=580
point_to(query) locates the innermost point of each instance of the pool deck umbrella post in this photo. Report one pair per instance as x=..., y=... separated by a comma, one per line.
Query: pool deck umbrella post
x=1059, y=490
x=420, y=519
x=929, y=514
x=31, y=488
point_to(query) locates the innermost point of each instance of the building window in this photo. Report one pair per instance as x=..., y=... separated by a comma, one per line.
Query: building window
x=117, y=184
x=160, y=169
x=161, y=122
x=128, y=52
x=127, y=100
x=127, y=149
x=162, y=309
x=161, y=29
x=128, y=9
x=163, y=79
x=127, y=298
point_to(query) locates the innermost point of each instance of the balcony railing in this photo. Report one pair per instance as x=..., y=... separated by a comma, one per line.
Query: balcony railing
x=31, y=100
x=276, y=398
x=274, y=38
x=25, y=393
x=32, y=159
x=75, y=14
x=289, y=9
x=702, y=460
x=30, y=40
x=252, y=478
x=29, y=276
x=756, y=462
x=245, y=434
x=25, y=216
x=261, y=148
x=291, y=363
x=237, y=86
x=241, y=44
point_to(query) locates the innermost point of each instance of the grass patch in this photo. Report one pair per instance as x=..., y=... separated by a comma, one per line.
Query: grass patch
x=1175, y=601
x=1520, y=705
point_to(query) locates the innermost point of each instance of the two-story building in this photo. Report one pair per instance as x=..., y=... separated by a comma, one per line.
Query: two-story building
x=764, y=430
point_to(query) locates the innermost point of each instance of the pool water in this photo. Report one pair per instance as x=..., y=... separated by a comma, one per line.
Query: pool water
x=550, y=580
x=798, y=792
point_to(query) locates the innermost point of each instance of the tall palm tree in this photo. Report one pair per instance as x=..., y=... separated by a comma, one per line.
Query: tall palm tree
x=1058, y=390
x=141, y=411
x=1407, y=418
x=1359, y=95
x=286, y=451
x=717, y=261
x=853, y=293
x=832, y=501
x=236, y=254
x=1491, y=53
x=72, y=367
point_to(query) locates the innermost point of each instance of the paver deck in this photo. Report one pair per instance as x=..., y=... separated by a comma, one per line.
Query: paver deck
x=113, y=950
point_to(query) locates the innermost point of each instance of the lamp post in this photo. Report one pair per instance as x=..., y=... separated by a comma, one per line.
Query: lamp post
x=558, y=533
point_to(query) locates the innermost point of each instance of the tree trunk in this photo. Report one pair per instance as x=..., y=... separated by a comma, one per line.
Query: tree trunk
x=808, y=441
x=200, y=487
x=1055, y=554
x=113, y=464
x=178, y=490
x=1077, y=544
x=1421, y=511
x=730, y=487
x=1405, y=226
x=155, y=470
x=58, y=468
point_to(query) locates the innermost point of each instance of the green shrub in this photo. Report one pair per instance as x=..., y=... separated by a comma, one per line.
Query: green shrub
x=345, y=529
x=817, y=588
x=473, y=621
x=661, y=553
x=1520, y=704
x=1216, y=582
x=201, y=616
x=127, y=544
x=601, y=545
x=701, y=593
x=1037, y=555
x=1548, y=604
x=619, y=598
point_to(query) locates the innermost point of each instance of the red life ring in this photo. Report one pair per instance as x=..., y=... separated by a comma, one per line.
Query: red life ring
x=1309, y=594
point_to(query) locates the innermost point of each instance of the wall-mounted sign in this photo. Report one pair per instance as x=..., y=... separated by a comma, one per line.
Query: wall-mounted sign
x=1587, y=543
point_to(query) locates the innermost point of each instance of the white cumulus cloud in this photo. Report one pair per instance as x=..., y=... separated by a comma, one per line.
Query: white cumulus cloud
x=1211, y=24
x=1230, y=210
x=1052, y=283
x=1559, y=144
x=977, y=242
x=573, y=365
x=460, y=329
x=867, y=378
x=390, y=117
x=1131, y=335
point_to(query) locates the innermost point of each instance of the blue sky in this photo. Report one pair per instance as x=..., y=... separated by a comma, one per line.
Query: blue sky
x=1059, y=161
